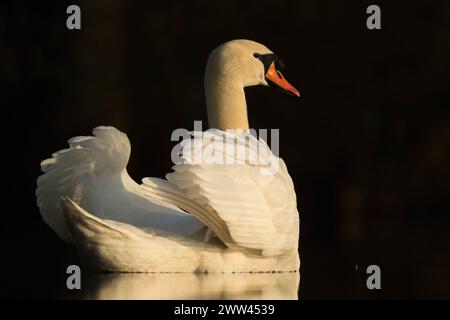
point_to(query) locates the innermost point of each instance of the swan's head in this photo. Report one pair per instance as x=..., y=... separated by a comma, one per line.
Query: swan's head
x=248, y=63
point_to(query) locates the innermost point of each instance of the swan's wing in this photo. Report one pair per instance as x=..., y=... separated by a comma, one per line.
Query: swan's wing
x=92, y=172
x=245, y=204
x=71, y=172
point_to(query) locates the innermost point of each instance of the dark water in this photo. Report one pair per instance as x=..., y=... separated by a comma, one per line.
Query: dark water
x=367, y=145
x=413, y=259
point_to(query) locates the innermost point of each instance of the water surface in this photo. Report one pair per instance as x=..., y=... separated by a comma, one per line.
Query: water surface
x=192, y=286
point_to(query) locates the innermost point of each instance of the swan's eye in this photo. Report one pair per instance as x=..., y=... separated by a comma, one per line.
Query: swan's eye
x=266, y=59
x=279, y=64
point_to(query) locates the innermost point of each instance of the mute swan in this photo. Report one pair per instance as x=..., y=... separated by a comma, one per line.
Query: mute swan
x=87, y=197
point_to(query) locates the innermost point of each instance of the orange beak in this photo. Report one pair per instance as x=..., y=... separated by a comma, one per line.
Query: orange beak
x=277, y=78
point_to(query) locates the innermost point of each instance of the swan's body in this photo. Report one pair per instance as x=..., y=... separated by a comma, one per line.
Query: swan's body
x=88, y=198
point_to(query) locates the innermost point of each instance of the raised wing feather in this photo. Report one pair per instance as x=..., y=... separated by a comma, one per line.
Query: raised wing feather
x=92, y=173
x=246, y=204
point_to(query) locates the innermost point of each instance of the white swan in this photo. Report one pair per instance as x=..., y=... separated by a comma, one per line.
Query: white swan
x=87, y=197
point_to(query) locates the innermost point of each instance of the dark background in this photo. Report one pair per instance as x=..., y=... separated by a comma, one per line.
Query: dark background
x=367, y=145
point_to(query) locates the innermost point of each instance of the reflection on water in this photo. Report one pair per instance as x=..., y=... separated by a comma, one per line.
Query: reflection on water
x=193, y=286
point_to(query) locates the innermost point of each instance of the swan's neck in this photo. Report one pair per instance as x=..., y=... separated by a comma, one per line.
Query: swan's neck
x=225, y=99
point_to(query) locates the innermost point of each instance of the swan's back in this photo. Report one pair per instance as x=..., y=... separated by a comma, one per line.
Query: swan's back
x=248, y=200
